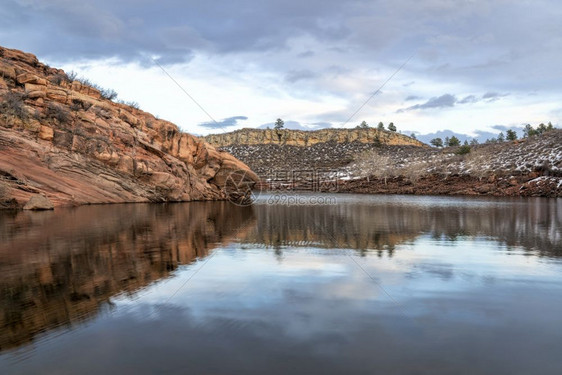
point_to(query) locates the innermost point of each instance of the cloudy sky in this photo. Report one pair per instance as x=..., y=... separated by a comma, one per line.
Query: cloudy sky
x=472, y=66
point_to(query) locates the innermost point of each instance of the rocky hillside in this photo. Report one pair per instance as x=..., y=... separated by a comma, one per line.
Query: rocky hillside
x=529, y=167
x=302, y=138
x=65, y=140
x=284, y=149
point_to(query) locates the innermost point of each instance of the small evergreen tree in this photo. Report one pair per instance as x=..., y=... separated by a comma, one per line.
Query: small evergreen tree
x=436, y=142
x=529, y=131
x=474, y=142
x=391, y=127
x=511, y=135
x=453, y=142
x=364, y=125
x=413, y=135
x=279, y=124
x=380, y=126
x=501, y=137
x=463, y=150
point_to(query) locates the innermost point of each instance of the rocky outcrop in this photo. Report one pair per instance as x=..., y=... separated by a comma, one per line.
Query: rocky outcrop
x=309, y=138
x=64, y=140
x=38, y=202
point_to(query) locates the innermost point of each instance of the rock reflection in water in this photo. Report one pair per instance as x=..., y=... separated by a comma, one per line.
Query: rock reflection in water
x=381, y=223
x=59, y=268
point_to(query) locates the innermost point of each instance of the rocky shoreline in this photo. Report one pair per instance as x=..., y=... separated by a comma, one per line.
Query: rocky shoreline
x=530, y=185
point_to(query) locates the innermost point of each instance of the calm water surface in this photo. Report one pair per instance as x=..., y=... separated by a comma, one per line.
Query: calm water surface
x=389, y=285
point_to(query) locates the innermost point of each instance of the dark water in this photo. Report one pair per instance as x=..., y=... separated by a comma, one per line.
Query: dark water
x=388, y=285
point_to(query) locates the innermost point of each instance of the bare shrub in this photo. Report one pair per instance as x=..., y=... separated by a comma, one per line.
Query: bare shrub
x=371, y=163
x=13, y=105
x=414, y=171
x=58, y=112
x=76, y=105
x=58, y=79
x=71, y=75
x=131, y=104
x=108, y=94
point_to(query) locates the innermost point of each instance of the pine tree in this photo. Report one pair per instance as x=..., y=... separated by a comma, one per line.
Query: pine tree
x=453, y=142
x=279, y=124
x=391, y=127
x=436, y=142
x=511, y=135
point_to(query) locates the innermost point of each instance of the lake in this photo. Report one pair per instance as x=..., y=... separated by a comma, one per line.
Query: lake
x=359, y=285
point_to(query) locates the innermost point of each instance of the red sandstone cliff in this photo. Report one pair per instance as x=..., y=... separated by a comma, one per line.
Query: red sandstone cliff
x=63, y=139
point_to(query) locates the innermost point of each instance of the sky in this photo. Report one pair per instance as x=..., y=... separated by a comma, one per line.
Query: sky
x=468, y=67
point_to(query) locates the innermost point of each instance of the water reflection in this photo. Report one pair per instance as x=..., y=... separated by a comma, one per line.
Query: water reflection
x=379, y=223
x=59, y=268
x=372, y=284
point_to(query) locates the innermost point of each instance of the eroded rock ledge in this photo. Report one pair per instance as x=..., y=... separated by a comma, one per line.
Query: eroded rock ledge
x=64, y=140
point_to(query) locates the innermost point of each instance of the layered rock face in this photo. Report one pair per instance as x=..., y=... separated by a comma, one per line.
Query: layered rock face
x=62, y=139
x=309, y=138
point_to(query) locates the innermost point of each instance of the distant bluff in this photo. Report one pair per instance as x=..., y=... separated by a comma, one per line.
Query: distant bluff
x=309, y=138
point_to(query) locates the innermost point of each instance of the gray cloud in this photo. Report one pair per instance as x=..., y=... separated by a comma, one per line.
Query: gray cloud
x=412, y=97
x=299, y=75
x=129, y=30
x=493, y=47
x=443, y=101
x=472, y=42
x=493, y=96
x=230, y=121
x=306, y=54
x=468, y=99
x=448, y=100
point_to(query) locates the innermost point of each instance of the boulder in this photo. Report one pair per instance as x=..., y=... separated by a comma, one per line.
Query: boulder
x=35, y=91
x=58, y=95
x=7, y=71
x=46, y=133
x=38, y=202
x=31, y=78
